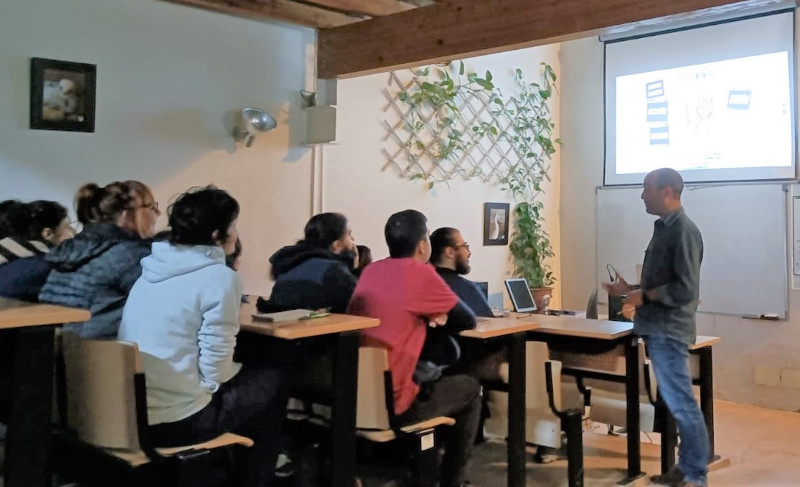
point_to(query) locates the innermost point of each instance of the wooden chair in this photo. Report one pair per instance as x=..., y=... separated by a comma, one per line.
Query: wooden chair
x=608, y=398
x=545, y=417
x=376, y=421
x=107, y=420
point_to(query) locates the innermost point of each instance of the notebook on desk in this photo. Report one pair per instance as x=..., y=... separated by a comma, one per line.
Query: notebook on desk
x=290, y=315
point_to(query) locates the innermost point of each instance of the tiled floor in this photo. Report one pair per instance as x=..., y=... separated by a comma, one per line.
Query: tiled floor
x=763, y=447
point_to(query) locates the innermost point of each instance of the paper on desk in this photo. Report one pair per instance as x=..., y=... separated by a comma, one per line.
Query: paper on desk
x=290, y=315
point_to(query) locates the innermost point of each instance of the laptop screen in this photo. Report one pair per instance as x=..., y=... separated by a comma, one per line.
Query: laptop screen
x=520, y=295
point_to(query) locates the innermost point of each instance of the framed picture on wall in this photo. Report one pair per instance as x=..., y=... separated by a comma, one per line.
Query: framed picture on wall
x=62, y=95
x=495, y=223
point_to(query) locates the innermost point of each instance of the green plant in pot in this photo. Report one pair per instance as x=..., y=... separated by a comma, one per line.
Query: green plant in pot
x=532, y=136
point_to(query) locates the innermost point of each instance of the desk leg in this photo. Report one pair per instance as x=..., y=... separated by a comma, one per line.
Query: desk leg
x=632, y=410
x=29, y=427
x=669, y=436
x=343, y=415
x=707, y=396
x=516, y=410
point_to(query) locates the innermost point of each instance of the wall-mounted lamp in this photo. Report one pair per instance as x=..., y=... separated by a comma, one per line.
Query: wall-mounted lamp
x=256, y=121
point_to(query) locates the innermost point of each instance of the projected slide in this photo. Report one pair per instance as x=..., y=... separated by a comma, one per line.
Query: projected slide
x=720, y=115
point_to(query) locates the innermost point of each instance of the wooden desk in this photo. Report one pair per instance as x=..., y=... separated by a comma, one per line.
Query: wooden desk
x=580, y=334
x=584, y=328
x=514, y=331
x=31, y=327
x=293, y=330
x=19, y=314
x=345, y=331
x=496, y=327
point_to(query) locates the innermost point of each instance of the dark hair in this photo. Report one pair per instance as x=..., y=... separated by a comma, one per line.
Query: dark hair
x=162, y=236
x=364, y=257
x=44, y=214
x=403, y=231
x=94, y=204
x=230, y=259
x=14, y=218
x=324, y=229
x=666, y=177
x=198, y=213
x=441, y=238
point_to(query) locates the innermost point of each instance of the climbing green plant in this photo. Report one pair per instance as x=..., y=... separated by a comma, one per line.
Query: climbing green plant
x=532, y=133
x=464, y=126
x=436, y=124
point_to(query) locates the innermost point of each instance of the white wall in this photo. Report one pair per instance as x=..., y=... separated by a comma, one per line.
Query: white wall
x=355, y=184
x=169, y=80
x=771, y=348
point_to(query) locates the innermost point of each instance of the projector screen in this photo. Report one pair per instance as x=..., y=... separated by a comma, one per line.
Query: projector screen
x=715, y=103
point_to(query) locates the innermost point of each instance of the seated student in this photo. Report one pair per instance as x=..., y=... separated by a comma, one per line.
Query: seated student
x=25, y=271
x=96, y=269
x=234, y=259
x=184, y=315
x=317, y=271
x=406, y=294
x=12, y=217
x=450, y=255
x=364, y=258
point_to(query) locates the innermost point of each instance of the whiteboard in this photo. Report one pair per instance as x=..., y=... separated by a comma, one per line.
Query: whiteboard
x=744, y=270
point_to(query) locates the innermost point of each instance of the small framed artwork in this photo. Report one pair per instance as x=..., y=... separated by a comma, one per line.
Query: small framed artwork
x=62, y=95
x=495, y=223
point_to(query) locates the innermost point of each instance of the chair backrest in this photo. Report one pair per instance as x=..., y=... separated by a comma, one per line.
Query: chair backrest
x=371, y=411
x=536, y=396
x=101, y=391
x=591, y=306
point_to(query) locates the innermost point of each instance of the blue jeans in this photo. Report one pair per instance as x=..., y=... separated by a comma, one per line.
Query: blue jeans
x=670, y=360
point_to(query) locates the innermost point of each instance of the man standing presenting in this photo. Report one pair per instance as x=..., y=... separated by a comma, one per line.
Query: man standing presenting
x=665, y=318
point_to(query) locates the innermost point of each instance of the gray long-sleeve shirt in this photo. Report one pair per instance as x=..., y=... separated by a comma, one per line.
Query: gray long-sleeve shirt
x=671, y=279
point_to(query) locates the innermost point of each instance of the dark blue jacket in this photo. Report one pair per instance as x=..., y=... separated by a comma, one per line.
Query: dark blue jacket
x=468, y=291
x=310, y=277
x=95, y=271
x=24, y=278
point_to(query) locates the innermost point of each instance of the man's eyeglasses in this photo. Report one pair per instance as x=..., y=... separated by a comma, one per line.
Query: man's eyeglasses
x=465, y=245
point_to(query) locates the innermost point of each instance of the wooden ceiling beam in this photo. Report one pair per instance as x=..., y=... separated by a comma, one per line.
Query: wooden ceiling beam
x=274, y=10
x=454, y=29
x=373, y=8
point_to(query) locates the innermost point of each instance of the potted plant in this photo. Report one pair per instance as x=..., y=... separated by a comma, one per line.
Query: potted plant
x=530, y=245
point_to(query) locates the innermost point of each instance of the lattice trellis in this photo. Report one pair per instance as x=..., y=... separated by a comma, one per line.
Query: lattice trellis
x=494, y=138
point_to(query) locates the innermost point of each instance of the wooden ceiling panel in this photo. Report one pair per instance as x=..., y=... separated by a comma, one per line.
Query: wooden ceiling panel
x=359, y=37
x=276, y=10
x=454, y=29
x=373, y=8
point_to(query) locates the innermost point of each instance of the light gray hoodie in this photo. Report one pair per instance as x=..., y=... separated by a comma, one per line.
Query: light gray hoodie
x=183, y=312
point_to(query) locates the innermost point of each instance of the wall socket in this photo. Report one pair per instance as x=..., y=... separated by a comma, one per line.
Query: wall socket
x=767, y=376
x=773, y=376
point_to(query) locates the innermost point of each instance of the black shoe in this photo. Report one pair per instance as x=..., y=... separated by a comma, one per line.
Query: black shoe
x=284, y=467
x=545, y=454
x=673, y=478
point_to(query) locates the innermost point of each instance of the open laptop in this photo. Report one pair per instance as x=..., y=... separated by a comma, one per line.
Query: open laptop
x=520, y=295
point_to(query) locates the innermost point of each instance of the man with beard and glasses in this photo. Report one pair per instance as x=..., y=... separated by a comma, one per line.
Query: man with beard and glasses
x=450, y=255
